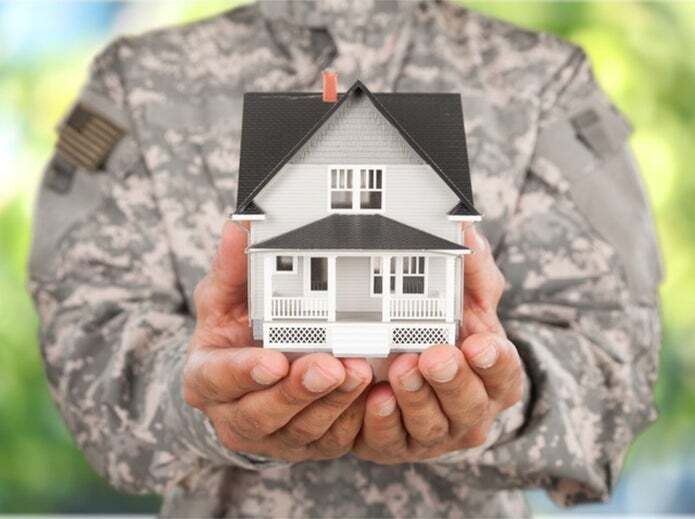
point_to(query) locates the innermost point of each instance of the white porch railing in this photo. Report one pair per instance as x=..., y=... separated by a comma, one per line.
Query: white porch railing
x=416, y=307
x=299, y=307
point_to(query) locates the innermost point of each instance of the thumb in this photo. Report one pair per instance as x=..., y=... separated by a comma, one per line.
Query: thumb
x=225, y=285
x=483, y=281
x=483, y=284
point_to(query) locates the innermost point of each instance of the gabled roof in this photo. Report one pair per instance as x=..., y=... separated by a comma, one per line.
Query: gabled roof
x=357, y=232
x=251, y=209
x=276, y=125
x=463, y=208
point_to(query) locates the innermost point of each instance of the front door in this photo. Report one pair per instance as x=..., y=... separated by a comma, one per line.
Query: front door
x=318, y=275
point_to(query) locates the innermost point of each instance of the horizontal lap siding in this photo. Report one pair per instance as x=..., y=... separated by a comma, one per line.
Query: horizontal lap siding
x=352, y=279
x=357, y=134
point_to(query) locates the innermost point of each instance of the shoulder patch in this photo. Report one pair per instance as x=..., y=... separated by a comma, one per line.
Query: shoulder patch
x=602, y=130
x=87, y=137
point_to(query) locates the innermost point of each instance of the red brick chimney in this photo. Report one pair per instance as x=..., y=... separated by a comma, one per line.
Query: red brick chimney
x=330, y=86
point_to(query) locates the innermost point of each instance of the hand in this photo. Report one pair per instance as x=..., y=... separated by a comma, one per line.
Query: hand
x=256, y=400
x=447, y=398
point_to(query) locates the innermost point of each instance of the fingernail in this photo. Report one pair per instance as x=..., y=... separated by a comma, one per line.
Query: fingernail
x=317, y=380
x=351, y=383
x=386, y=407
x=263, y=376
x=486, y=357
x=412, y=381
x=445, y=371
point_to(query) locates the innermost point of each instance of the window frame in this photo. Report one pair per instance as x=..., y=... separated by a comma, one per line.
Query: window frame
x=294, y=264
x=307, y=276
x=356, y=188
x=423, y=275
x=398, y=274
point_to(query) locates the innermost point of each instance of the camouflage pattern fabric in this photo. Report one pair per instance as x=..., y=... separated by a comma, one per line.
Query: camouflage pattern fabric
x=115, y=260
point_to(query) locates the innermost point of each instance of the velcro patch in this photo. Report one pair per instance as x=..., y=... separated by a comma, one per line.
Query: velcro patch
x=591, y=130
x=87, y=137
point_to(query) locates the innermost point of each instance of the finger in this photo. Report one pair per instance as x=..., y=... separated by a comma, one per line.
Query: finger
x=261, y=413
x=483, y=284
x=340, y=438
x=314, y=421
x=422, y=415
x=382, y=436
x=497, y=363
x=224, y=375
x=460, y=392
x=225, y=285
x=481, y=275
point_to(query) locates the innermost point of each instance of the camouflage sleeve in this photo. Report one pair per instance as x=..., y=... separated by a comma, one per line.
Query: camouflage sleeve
x=114, y=325
x=583, y=269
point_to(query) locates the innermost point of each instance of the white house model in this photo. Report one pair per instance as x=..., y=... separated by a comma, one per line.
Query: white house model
x=354, y=203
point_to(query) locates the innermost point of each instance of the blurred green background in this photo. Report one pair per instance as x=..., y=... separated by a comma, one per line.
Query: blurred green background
x=643, y=56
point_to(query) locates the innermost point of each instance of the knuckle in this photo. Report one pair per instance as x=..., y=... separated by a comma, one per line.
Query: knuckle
x=299, y=435
x=228, y=437
x=420, y=402
x=476, y=436
x=294, y=455
x=434, y=437
x=338, y=440
x=478, y=405
x=191, y=396
x=250, y=424
x=289, y=397
x=451, y=390
x=437, y=432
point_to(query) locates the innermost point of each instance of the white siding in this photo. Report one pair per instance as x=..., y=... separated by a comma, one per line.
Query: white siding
x=413, y=195
x=436, y=277
x=357, y=134
x=353, y=284
x=352, y=279
x=288, y=285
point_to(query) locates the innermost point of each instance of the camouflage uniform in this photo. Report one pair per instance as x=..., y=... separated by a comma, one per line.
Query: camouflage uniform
x=117, y=255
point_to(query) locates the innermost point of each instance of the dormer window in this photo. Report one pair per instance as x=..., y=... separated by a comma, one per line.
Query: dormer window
x=356, y=189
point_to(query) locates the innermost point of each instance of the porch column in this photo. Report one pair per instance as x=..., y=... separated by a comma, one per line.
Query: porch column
x=450, y=292
x=332, y=290
x=386, y=288
x=268, y=287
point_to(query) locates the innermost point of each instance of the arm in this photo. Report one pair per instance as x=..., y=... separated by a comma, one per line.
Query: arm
x=119, y=340
x=582, y=269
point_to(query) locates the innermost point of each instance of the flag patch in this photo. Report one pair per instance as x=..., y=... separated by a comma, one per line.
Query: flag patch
x=87, y=138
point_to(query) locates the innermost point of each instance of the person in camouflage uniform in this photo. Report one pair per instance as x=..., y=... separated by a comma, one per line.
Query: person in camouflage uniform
x=123, y=236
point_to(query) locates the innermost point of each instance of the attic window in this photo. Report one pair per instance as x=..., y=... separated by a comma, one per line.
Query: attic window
x=356, y=189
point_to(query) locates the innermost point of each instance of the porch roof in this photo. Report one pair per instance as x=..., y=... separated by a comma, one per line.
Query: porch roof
x=357, y=232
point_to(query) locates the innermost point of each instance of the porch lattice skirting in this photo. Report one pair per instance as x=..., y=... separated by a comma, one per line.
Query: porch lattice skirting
x=293, y=336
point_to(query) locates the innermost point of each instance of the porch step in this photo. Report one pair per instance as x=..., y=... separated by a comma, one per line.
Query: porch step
x=360, y=340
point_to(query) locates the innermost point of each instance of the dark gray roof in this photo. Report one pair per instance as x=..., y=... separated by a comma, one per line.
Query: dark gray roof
x=276, y=125
x=251, y=209
x=350, y=232
x=463, y=208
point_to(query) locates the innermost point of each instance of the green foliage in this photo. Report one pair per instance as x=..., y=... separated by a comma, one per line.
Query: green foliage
x=640, y=55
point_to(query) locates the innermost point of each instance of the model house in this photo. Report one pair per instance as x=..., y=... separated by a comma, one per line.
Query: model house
x=354, y=203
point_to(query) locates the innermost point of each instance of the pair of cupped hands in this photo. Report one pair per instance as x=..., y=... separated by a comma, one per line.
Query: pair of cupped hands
x=319, y=407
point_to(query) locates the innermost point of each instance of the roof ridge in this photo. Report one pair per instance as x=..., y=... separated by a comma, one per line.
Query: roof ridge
x=358, y=86
x=300, y=143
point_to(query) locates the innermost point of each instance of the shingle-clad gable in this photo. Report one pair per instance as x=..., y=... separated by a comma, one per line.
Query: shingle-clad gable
x=276, y=125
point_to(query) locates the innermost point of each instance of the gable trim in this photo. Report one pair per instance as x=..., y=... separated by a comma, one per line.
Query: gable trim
x=357, y=88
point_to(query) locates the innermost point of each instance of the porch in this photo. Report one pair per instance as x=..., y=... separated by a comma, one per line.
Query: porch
x=359, y=287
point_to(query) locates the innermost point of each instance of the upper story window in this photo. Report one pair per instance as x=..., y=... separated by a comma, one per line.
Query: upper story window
x=356, y=189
